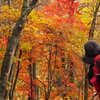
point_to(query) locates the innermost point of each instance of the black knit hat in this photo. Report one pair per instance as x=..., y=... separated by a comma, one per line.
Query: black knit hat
x=91, y=48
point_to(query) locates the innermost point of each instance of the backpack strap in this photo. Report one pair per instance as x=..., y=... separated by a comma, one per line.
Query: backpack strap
x=98, y=65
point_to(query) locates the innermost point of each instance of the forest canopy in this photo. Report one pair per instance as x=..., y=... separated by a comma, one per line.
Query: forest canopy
x=41, y=48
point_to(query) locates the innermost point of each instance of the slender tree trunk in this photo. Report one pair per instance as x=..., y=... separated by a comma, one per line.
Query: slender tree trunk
x=31, y=81
x=0, y=6
x=82, y=84
x=86, y=83
x=34, y=78
x=91, y=33
x=9, y=3
x=79, y=92
x=14, y=40
x=32, y=72
x=11, y=76
x=14, y=85
x=12, y=90
x=38, y=93
x=49, y=75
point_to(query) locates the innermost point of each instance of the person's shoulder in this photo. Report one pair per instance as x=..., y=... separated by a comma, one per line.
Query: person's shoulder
x=87, y=59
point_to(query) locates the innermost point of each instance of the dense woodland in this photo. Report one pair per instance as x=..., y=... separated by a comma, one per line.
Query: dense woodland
x=41, y=48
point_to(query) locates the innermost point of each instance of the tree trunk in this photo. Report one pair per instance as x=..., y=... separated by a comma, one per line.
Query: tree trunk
x=34, y=78
x=31, y=82
x=86, y=83
x=38, y=93
x=32, y=72
x=14, y=40
x=91, y=33
x=47, y=94
x=11, y=94
x=11, y=75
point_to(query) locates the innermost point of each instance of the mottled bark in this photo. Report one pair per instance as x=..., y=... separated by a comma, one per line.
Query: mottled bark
x=14, y=40
x=11, y=93
x=11, y=75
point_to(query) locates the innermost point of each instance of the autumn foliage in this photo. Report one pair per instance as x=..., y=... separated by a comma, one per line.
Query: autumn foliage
x=48, y=61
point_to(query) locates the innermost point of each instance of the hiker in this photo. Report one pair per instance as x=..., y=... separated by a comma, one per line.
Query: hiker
x=92, y=50
x=95, y=81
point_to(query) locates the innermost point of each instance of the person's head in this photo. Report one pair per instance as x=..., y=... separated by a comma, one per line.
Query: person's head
x=91, y=48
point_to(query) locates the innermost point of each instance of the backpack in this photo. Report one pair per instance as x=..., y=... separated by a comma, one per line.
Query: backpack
x=96, y=71
x=96, y=68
